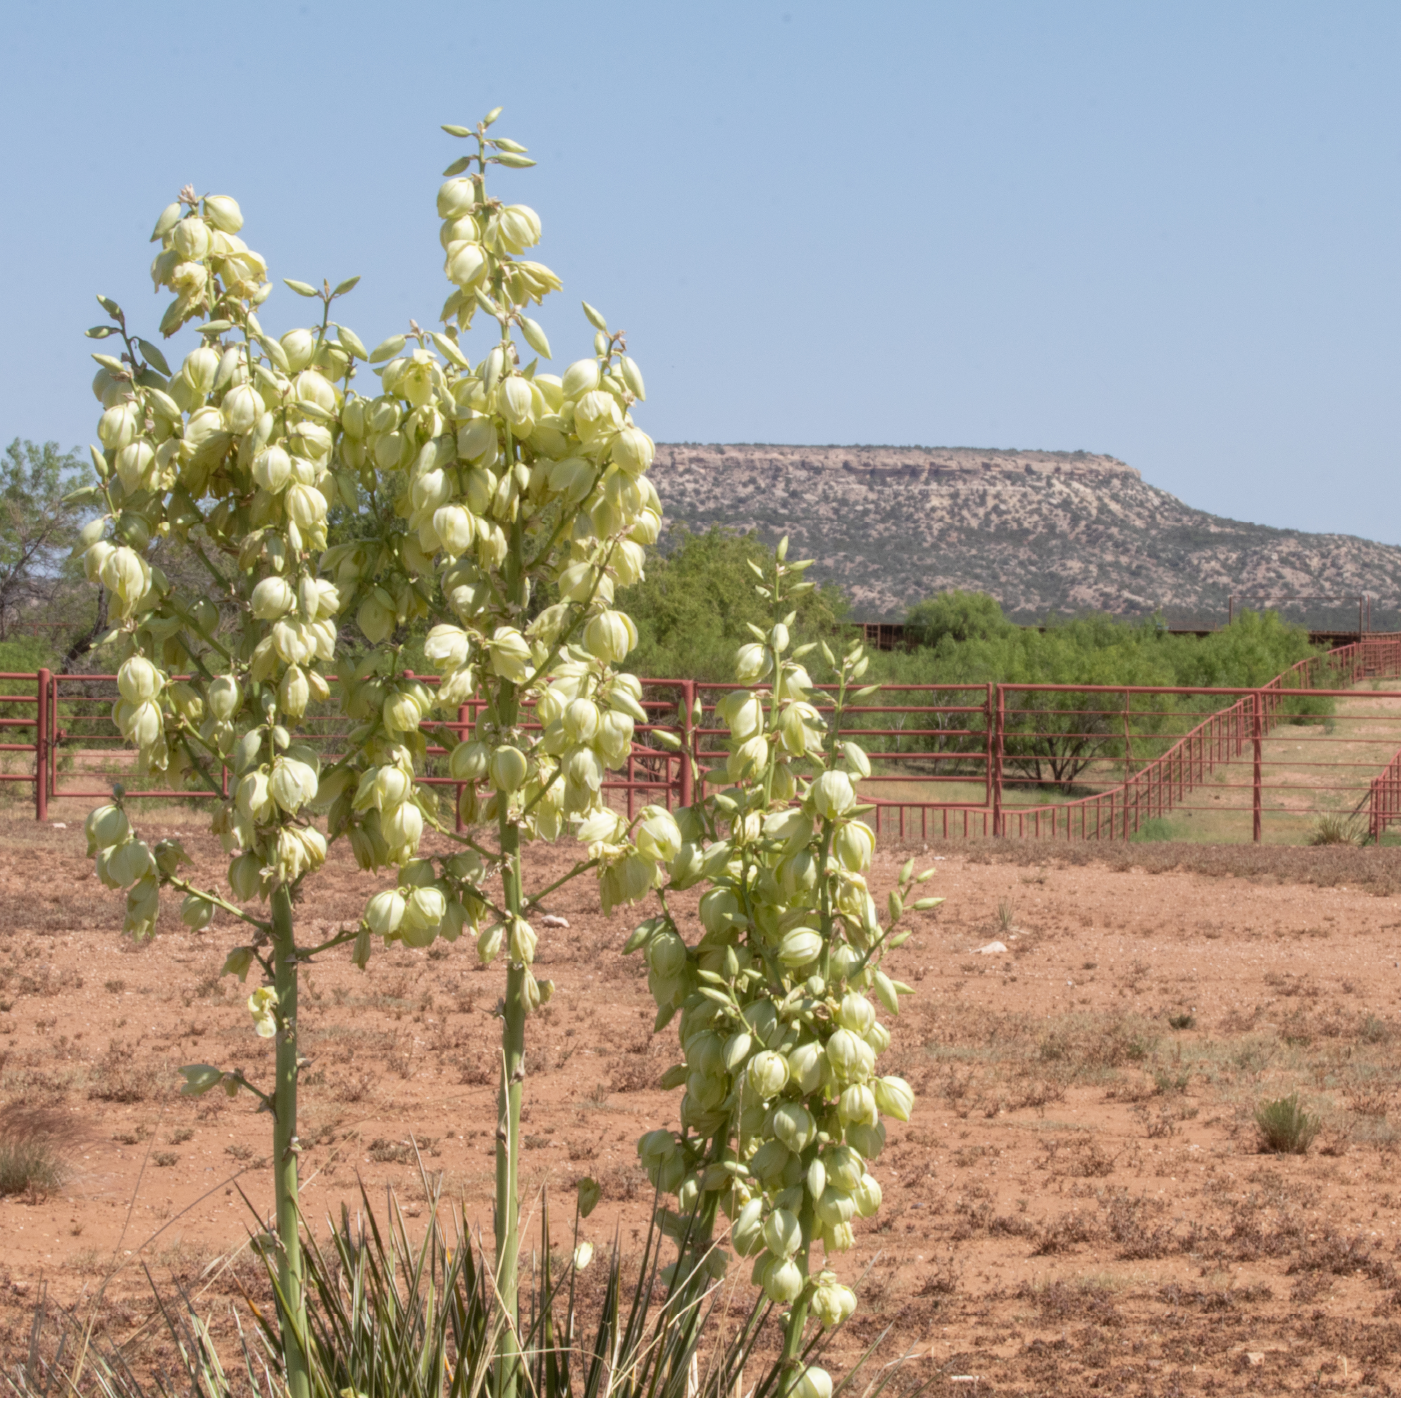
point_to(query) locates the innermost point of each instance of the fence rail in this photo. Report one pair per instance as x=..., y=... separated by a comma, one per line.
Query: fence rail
x=949, y=761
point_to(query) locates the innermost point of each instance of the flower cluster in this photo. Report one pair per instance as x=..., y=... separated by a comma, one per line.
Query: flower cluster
x=780, y=996
x=485, y=482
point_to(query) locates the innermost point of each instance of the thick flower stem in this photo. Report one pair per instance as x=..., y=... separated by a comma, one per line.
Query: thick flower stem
x=508, y=1132
x=507, y=1215
x=290, y=1276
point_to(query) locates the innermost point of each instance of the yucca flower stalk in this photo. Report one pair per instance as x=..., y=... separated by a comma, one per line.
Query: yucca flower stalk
x=477, y=485
x=782, y=1111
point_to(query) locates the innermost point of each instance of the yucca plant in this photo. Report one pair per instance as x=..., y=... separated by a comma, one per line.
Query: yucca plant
x=495, y=507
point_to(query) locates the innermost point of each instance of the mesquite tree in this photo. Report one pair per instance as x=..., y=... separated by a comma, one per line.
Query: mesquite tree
x=490, y=506
x=781, y=1116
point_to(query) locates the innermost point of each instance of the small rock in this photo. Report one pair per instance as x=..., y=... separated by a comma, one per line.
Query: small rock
x=555, y=922
x=1255, y=1358
x=997, y=946
x=19, y=1286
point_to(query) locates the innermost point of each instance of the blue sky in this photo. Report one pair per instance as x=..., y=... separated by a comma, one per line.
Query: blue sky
x=1163, y=231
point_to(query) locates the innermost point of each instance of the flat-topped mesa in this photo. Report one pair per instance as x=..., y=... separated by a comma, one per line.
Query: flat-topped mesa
x=906, y=464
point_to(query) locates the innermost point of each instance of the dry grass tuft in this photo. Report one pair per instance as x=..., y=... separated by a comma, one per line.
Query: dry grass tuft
x=33, y=1143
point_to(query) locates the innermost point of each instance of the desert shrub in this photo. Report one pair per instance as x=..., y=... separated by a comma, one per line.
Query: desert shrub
x=1285, y=1126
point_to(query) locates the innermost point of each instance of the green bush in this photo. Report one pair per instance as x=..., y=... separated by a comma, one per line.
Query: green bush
x=697, y=602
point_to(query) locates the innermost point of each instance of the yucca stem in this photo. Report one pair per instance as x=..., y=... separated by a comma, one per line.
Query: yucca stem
x=506, y=1221
x=290, y=1273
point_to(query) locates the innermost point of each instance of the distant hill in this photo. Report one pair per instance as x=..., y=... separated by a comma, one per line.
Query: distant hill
x=1044, y=532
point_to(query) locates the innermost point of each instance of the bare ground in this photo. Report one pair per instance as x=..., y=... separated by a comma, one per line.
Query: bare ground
x=1079, y=1205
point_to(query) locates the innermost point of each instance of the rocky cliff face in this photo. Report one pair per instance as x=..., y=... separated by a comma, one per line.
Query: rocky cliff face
x=1041, y=531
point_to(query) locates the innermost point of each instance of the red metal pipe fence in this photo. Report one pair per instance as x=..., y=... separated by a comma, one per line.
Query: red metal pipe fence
x=950, y=761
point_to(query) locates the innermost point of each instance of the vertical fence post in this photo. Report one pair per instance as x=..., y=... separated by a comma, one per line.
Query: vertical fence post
x=1128, y=740
x=989, y=711
x=1257, y=736
x=41, y=745
x=998, y=733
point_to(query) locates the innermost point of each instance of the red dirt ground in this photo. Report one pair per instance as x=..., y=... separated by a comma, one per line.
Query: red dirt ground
x=1079, y=1205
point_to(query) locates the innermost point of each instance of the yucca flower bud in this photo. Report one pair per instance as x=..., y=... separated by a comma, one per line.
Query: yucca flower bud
x=610, y=636
x=768, y=1074
x=658, y=837
x=225, y=698
x=292, y=784
x=384, y=912
x=138, y=680
x=476, y=440
x=633, y=451
x=747, y=1233
x=894, y=1097
x=196, y=912
x=401, y=712
x=190, y=238
x=832, y=795
x=867, y=1194
x=272, y=469
x=262, y=1006
x=517, y=404
x=402, y=826
x=808, y=1066
x=580, y=378
x=127, y=863
x=596, y=416
x=273, y=598
x=305, y=505
x=107, y=826
x=468, y=762
x=857, y=1104
x=490, y=942
x=376, y=616
x=522, y=942
x=223, y=213
x=783, y=1235
x=752, y=663
x=833, y=1303
x=799, y=947
x=126, y=574
x=241, y=409
x=794, y=1126
x=423, y=916
x=455, y=528
x=666, y=954
x=517, y=228
x=507, y=769
x=245, y=876
x=844, y=1053
x=199, y=369
x=455, y=198
x=783, y=1281
x=510, y=655
x=856, y=1014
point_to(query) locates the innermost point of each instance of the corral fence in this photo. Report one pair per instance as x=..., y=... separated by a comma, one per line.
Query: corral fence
x=1076, y=762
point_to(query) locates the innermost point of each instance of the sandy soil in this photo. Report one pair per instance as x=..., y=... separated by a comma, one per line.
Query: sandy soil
x=1079, y=1205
